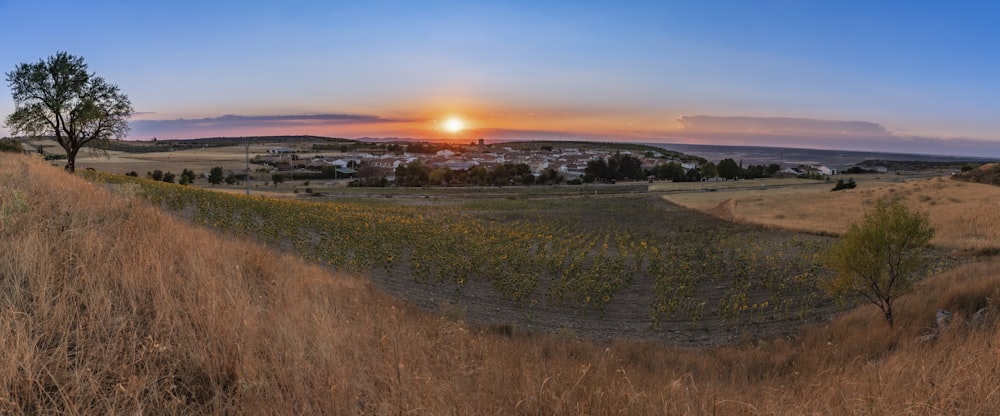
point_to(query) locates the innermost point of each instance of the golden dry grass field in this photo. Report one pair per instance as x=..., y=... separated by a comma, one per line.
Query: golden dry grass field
x=110, y=306
x=964, y=214
x=200, y=160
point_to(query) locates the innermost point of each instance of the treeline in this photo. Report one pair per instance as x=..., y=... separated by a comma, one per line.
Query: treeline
x=416, y=173
x=617, y=167
x=622, y=166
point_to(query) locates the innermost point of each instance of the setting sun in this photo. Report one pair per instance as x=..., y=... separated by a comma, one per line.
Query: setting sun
x=454, y=125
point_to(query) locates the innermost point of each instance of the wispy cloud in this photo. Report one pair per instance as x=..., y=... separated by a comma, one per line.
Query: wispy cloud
x=820, y=134
x=513, y=134
x=779, y=125
x=249, y=124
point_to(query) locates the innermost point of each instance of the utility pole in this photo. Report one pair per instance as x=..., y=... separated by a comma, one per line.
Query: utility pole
x=248, y=168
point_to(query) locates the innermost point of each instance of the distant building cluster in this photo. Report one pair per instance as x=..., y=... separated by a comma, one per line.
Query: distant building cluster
x=570, y=163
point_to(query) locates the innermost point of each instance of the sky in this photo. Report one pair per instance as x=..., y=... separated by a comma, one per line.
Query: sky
x=905, y=77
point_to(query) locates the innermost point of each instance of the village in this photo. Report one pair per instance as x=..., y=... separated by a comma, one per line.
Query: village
x=569, y=162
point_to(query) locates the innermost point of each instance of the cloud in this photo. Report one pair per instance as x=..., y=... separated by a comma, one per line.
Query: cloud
x=779, y=126
x=249, y=125
x=514, y=134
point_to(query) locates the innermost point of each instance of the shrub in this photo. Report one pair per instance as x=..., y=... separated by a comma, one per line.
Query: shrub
x=841, y=185
x=878, y=259
x=9, y=145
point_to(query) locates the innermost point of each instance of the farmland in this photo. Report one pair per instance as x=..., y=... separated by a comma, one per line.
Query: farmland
x=113, y=306
x=606, y=266
x=598, y=261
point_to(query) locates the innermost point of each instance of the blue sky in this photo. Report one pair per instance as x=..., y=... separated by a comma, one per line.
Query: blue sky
x=891, y=76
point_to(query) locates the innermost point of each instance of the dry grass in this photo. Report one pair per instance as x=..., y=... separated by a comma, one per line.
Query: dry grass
x=108, y=306
x=959, y=211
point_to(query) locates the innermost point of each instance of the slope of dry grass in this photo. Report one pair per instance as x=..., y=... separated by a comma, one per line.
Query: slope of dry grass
x=108, y=306
x=961, y=212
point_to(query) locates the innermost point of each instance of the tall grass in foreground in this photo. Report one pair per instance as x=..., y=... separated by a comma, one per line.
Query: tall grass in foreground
x=108, y=306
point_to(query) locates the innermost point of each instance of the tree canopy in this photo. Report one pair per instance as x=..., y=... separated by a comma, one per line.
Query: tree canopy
x=879, y=257
x=58, y=98
x=618, y=166
x=727, y=168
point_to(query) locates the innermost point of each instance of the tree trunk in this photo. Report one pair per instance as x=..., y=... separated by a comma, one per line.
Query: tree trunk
x=71, y=160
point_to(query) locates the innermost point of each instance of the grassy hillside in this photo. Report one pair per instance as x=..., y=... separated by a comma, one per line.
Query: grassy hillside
x=110, y=306
x=988, y=174
x=962, y=212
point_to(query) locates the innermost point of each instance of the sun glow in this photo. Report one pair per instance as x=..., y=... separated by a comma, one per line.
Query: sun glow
x=454, y=125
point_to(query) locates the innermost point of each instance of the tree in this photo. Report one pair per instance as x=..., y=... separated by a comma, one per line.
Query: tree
x=478, y=175
x=58, y=97
x=414, y=173
x=440, y=176
x=878, y=258
x=169, y=177
x=709, y=170
x=598, y=168
x=277, y=178
x=728, y=169
x=670, y=170
x=626, y=166
x=549, y=176
x=618, y=166
x=187, y=177
x=216, y=175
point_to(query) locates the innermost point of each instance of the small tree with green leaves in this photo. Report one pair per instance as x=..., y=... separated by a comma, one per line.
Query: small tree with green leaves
x=187, y=177
x=216, y=175
x=879, y=257
x=708, y=170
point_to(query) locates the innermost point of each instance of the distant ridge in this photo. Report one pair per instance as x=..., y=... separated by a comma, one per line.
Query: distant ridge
x=788, y=156
x=248, y=139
